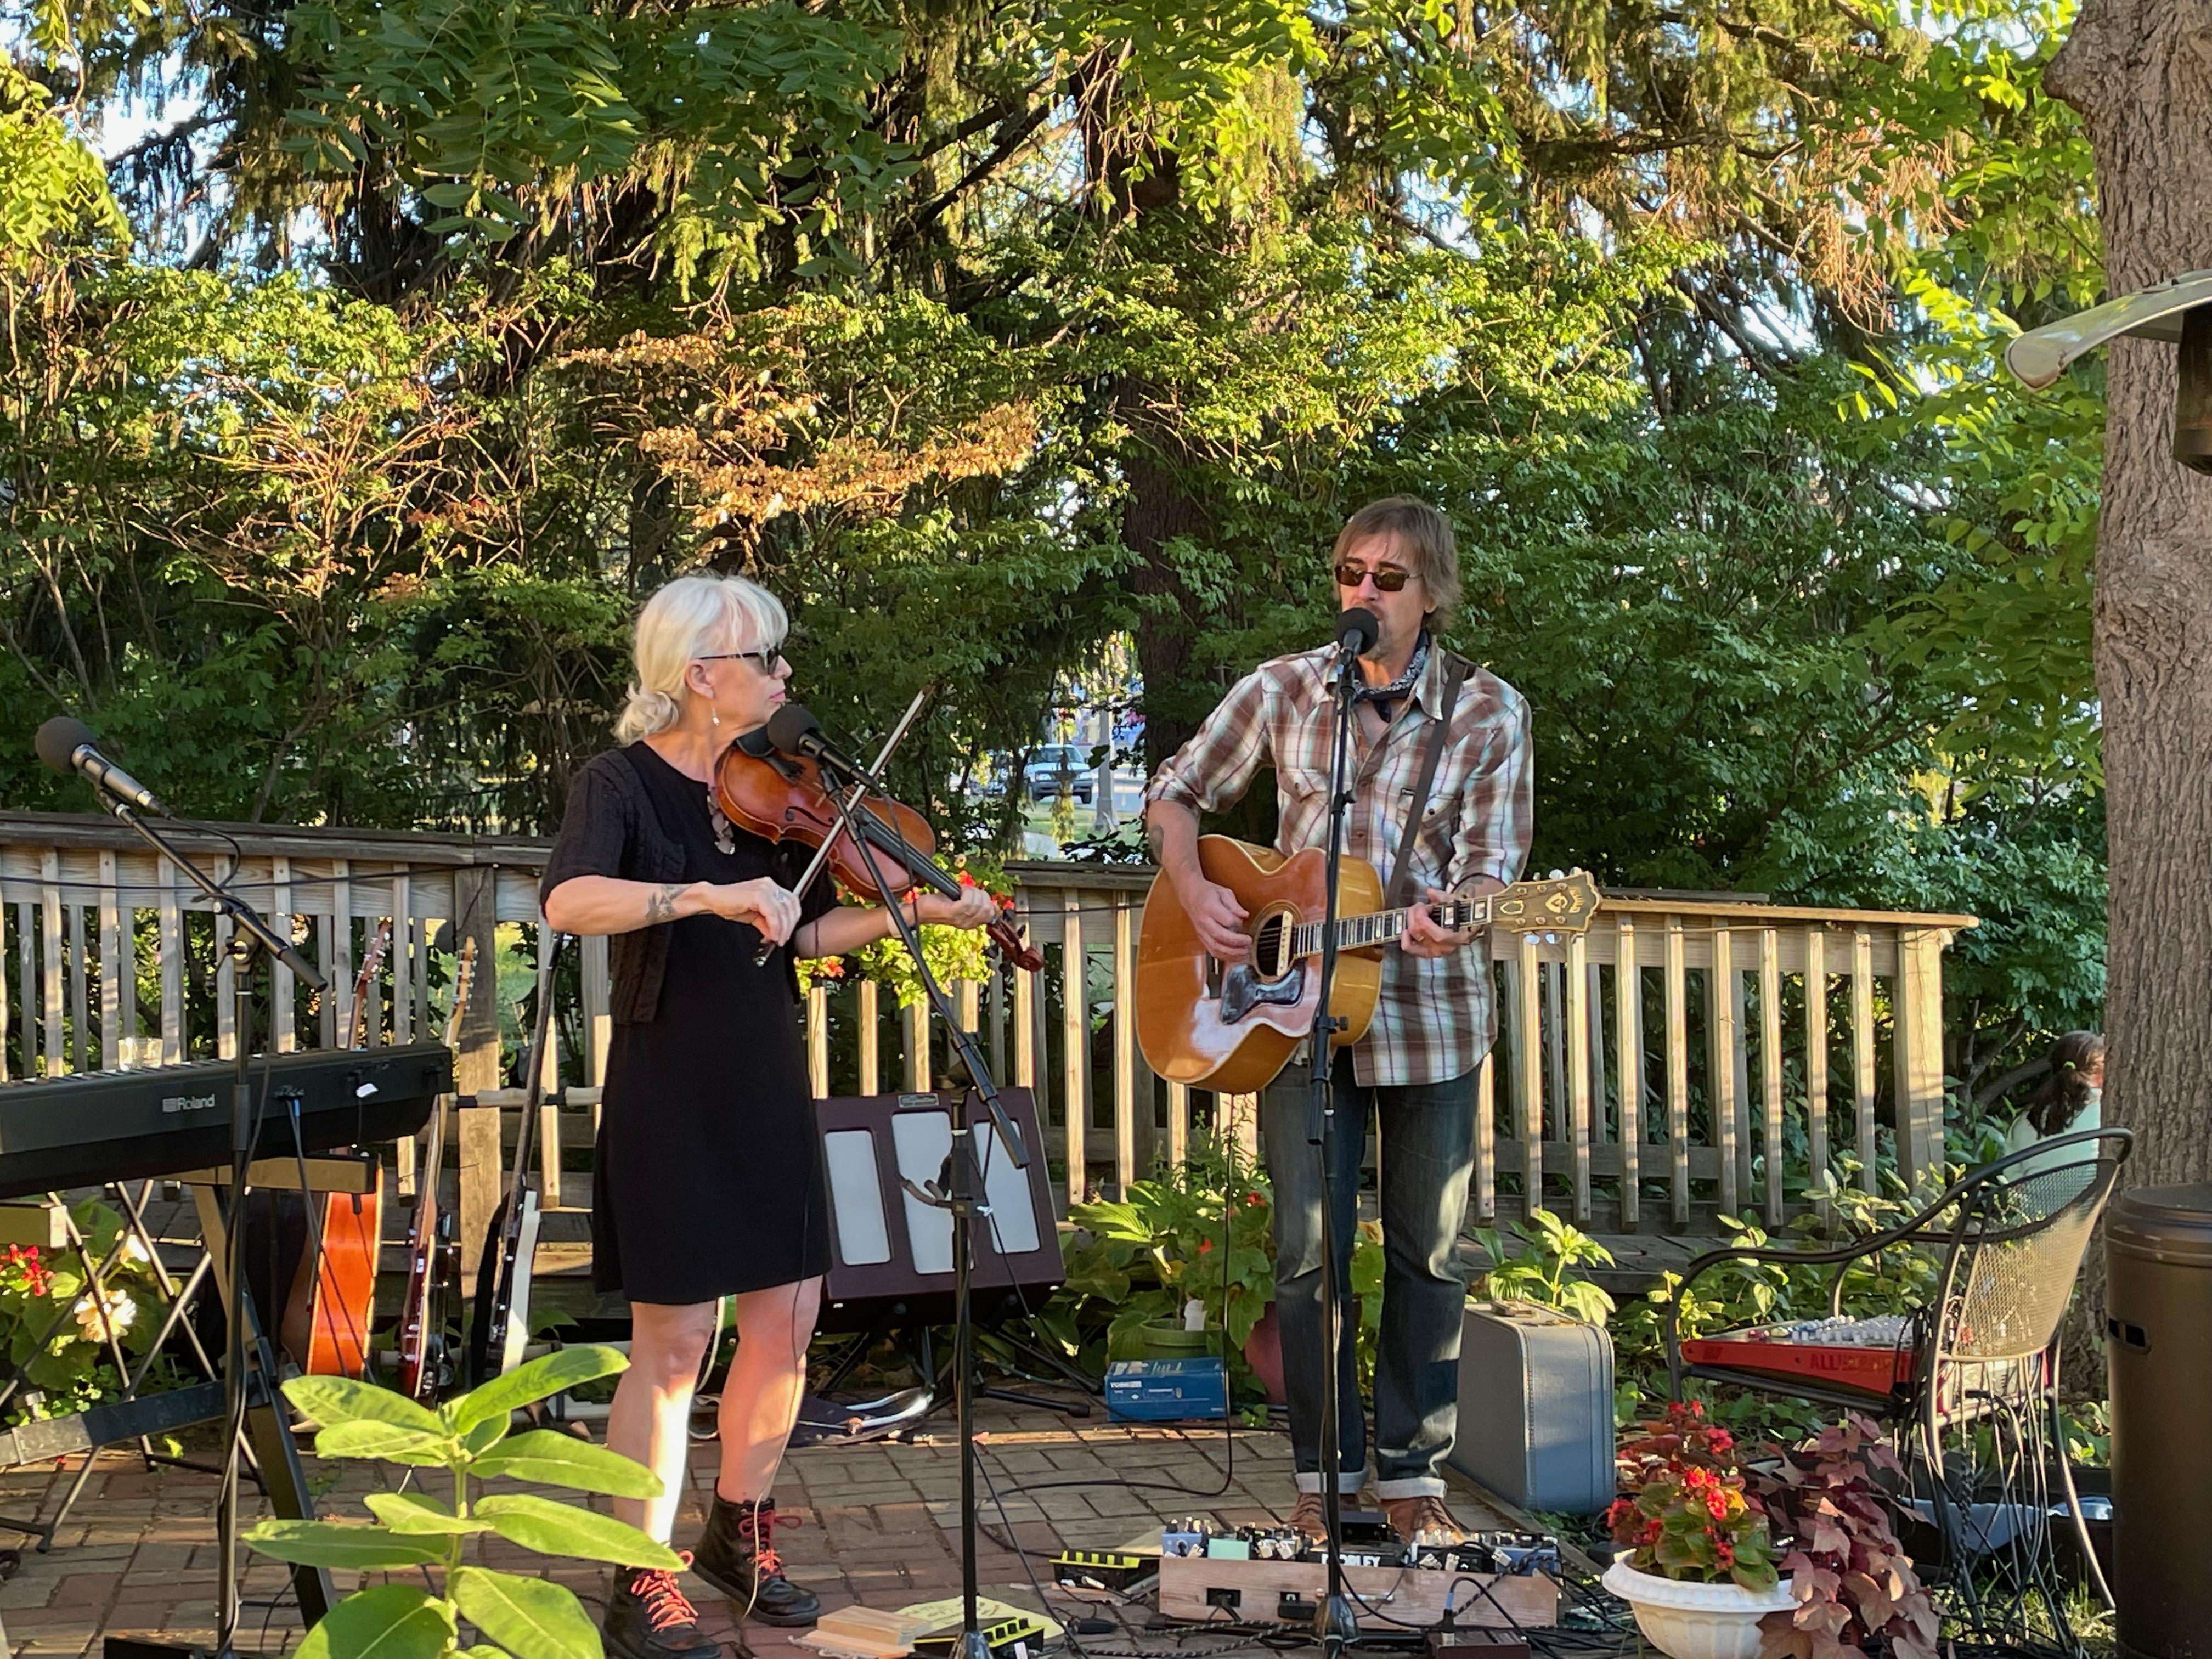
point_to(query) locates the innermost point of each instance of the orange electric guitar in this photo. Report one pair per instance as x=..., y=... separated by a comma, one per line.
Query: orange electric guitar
x=1231, y=1027
x=432, y=1302
x=343, y=1299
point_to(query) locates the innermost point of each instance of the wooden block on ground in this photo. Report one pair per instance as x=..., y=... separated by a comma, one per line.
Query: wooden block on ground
x=862, y=1633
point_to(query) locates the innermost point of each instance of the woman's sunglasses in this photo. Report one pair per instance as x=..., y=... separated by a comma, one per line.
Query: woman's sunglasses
x=1387, y=577
x=766, y=661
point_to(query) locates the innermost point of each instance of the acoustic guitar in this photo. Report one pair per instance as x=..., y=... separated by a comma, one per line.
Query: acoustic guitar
x=1231, y=1027
x=341, y=1295
x=431, y=1304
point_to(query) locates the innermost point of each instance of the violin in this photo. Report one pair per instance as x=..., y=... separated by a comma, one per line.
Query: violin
x=778, y=797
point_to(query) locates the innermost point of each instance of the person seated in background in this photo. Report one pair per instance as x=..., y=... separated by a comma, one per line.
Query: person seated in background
x=2070, y=1098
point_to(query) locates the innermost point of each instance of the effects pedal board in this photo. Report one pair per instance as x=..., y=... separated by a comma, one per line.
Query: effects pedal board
x=1103, y=1572
x=1489, y=1581
x=1009, y=1639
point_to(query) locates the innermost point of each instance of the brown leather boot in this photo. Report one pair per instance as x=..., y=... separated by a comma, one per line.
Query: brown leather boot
x=1411, y=1518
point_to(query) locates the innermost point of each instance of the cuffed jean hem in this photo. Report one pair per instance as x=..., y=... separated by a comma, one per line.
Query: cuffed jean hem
x=1347, y=1486
x=1414, y=1486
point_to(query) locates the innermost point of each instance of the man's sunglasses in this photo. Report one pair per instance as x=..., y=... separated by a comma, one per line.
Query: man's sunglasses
x=763, y=660
x=1387, y=577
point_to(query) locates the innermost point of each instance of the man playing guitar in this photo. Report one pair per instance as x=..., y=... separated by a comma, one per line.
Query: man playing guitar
x=1433, y=1021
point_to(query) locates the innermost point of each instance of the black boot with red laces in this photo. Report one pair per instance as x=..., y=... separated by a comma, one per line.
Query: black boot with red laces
x=737, y=1557
x=651, y=1618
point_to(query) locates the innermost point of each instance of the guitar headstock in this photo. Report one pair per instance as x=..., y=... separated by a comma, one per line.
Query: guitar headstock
x=1558, y=904
x=380, y=941
x=464, y=975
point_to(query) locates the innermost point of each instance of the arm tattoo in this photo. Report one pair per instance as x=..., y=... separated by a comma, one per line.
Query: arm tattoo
x=660, y=903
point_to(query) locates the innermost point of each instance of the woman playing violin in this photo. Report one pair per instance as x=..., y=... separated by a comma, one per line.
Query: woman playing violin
x=707, y=1179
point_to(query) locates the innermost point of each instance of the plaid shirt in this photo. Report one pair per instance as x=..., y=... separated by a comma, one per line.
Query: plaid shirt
x=1434, y=1020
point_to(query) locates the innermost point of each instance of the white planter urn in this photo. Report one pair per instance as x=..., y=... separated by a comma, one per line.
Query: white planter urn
x=1686, y=1620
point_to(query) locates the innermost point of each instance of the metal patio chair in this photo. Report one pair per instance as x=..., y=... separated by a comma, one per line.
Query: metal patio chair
x=1972, y=1391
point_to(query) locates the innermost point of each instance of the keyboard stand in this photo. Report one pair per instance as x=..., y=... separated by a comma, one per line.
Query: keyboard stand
x=269, y=1448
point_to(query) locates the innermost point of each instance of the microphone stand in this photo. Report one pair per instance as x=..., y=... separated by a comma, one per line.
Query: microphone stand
x=958, y=1190
x=253, y=943
x=1334, y=1622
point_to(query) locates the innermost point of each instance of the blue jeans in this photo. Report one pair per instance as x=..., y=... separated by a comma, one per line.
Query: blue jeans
x=1427, y=1153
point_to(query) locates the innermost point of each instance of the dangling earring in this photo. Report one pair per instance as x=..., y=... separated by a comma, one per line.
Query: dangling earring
x=714, y=715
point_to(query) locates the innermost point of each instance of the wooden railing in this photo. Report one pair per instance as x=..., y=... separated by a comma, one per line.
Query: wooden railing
x=1737, y=1016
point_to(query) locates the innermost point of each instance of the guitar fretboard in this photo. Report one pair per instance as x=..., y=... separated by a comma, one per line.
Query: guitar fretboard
x=1381, y=926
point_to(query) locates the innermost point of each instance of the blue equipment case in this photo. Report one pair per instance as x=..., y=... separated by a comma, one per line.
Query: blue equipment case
x=1166, y=1390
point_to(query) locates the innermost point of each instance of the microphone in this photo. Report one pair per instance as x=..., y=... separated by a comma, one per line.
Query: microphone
x=66, y=744
x=793, y=729
x=1357, y=630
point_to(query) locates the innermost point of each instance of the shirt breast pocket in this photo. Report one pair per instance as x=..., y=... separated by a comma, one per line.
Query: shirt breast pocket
x=1302, y=803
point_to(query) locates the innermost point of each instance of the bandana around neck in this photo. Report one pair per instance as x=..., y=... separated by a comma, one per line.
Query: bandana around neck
x=1384, y=696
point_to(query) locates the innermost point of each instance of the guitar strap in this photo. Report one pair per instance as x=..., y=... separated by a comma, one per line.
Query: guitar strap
x=1401, y=872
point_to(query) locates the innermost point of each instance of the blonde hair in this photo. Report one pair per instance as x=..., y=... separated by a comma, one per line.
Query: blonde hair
x=1425, y=545
x=692, y=616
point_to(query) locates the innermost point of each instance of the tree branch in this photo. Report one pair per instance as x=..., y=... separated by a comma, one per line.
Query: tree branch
x=1010, y=140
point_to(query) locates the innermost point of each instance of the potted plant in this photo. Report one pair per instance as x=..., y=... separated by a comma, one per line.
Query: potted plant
x=468, y=1437
x=1698, y=1563
x=1855, y=1585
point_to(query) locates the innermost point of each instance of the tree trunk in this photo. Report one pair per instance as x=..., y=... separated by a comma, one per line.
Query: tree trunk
x=1155, y=513
x=2141, y=76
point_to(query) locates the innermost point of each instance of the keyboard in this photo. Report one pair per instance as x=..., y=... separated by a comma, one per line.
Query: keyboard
x=91, y=1128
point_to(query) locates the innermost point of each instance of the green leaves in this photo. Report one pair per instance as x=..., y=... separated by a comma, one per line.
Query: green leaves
x=352, y=1545
x=560, y=1460
x=386, y=1621
x=539, y=1379
x=385, y=1440
x=408, y=1514
x=525, y=1615
x=552, y=1529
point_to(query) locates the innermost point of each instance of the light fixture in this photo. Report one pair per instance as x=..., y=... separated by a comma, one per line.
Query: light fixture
x=2180, y=310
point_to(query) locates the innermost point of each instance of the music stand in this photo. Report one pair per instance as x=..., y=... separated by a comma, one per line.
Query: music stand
x=958, y=1188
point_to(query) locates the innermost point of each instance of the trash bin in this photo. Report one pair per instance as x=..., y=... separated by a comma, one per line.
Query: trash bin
x=2158, y=1302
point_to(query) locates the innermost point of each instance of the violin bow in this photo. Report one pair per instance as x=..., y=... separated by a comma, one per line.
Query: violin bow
x=852, y=797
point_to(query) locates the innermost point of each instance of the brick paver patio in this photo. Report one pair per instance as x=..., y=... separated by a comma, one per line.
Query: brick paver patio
x=881, y=1526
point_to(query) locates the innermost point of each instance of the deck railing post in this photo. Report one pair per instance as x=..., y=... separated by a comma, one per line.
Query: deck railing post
x=1919, y=1054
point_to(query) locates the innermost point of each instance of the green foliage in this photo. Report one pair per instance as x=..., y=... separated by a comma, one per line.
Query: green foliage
x=468, y=1438
x=348, y=417
x=1544, y=1268
x=1139, y=1261
x=45, y=1296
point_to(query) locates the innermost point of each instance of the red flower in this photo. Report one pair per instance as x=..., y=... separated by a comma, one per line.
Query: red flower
x=1255, y=1199
x=1204, y=1245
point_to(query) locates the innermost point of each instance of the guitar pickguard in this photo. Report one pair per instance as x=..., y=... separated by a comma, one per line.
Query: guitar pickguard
x=1243, y=990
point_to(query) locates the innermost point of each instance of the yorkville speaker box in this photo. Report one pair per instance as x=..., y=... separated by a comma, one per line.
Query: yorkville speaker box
x=891, y=1254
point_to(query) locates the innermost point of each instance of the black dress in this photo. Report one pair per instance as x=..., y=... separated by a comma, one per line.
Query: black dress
x=708, y=1177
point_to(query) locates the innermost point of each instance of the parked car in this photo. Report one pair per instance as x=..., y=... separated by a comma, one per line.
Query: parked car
x=1040, y=777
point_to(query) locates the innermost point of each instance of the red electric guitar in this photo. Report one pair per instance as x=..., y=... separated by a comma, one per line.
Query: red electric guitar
x=335, y=1304
x=430, y=1306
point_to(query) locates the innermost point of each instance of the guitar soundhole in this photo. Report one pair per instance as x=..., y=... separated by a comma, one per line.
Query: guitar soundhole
x=1271, y=947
